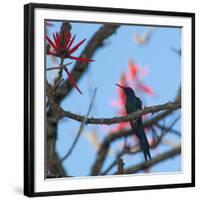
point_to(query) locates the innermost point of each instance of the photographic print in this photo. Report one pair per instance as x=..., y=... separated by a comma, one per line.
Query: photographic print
x=111, y=100
x=125, y=75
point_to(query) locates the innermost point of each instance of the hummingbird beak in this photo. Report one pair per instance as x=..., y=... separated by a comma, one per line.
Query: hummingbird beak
x=120, y=86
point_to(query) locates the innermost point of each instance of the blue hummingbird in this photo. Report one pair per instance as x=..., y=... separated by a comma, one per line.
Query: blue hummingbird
x=133, y=103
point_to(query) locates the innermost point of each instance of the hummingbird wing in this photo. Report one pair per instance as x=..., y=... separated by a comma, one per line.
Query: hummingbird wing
x=131, y=108
x=139, y=103
x=139, y=107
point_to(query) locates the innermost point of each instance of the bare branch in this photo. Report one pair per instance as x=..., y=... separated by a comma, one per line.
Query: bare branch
x=114, y=120
x=169, y=129
x=145, y=165
x=59, y=67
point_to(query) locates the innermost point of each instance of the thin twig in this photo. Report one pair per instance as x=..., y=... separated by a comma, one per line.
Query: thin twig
x=80, y=129
x=59, y=67
x=167, y=128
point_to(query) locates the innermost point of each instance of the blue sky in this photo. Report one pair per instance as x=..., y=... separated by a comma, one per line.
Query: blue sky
x=110, y=61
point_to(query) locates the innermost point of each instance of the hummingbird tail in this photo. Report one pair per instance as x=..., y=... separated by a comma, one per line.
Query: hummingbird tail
x=144, y=145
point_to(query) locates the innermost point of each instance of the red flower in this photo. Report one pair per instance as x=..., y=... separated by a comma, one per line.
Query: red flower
x=146, y=89
x=133, y=76
x=133, y=69
x=64, y=49
x=72, y=81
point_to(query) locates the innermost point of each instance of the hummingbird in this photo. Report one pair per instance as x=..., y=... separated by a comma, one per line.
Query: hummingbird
x=133, y=103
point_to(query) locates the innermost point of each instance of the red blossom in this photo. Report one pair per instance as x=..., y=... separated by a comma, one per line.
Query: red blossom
x=61, y=46
x=64, y=49
x=133, y=69
x=134, y=77
x=72, y=81
x=146, y=89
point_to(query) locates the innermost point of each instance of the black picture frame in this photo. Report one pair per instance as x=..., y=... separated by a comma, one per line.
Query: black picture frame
x=29, y=82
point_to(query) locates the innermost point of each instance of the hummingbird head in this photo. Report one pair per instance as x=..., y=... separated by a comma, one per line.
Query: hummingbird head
x=129, y=91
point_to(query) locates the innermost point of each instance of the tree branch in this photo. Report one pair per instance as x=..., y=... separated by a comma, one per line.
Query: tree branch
x=169, y=129
x=145, y=165
x=114, y=120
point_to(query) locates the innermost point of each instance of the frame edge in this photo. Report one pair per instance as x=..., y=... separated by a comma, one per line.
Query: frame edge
x=29, y=99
